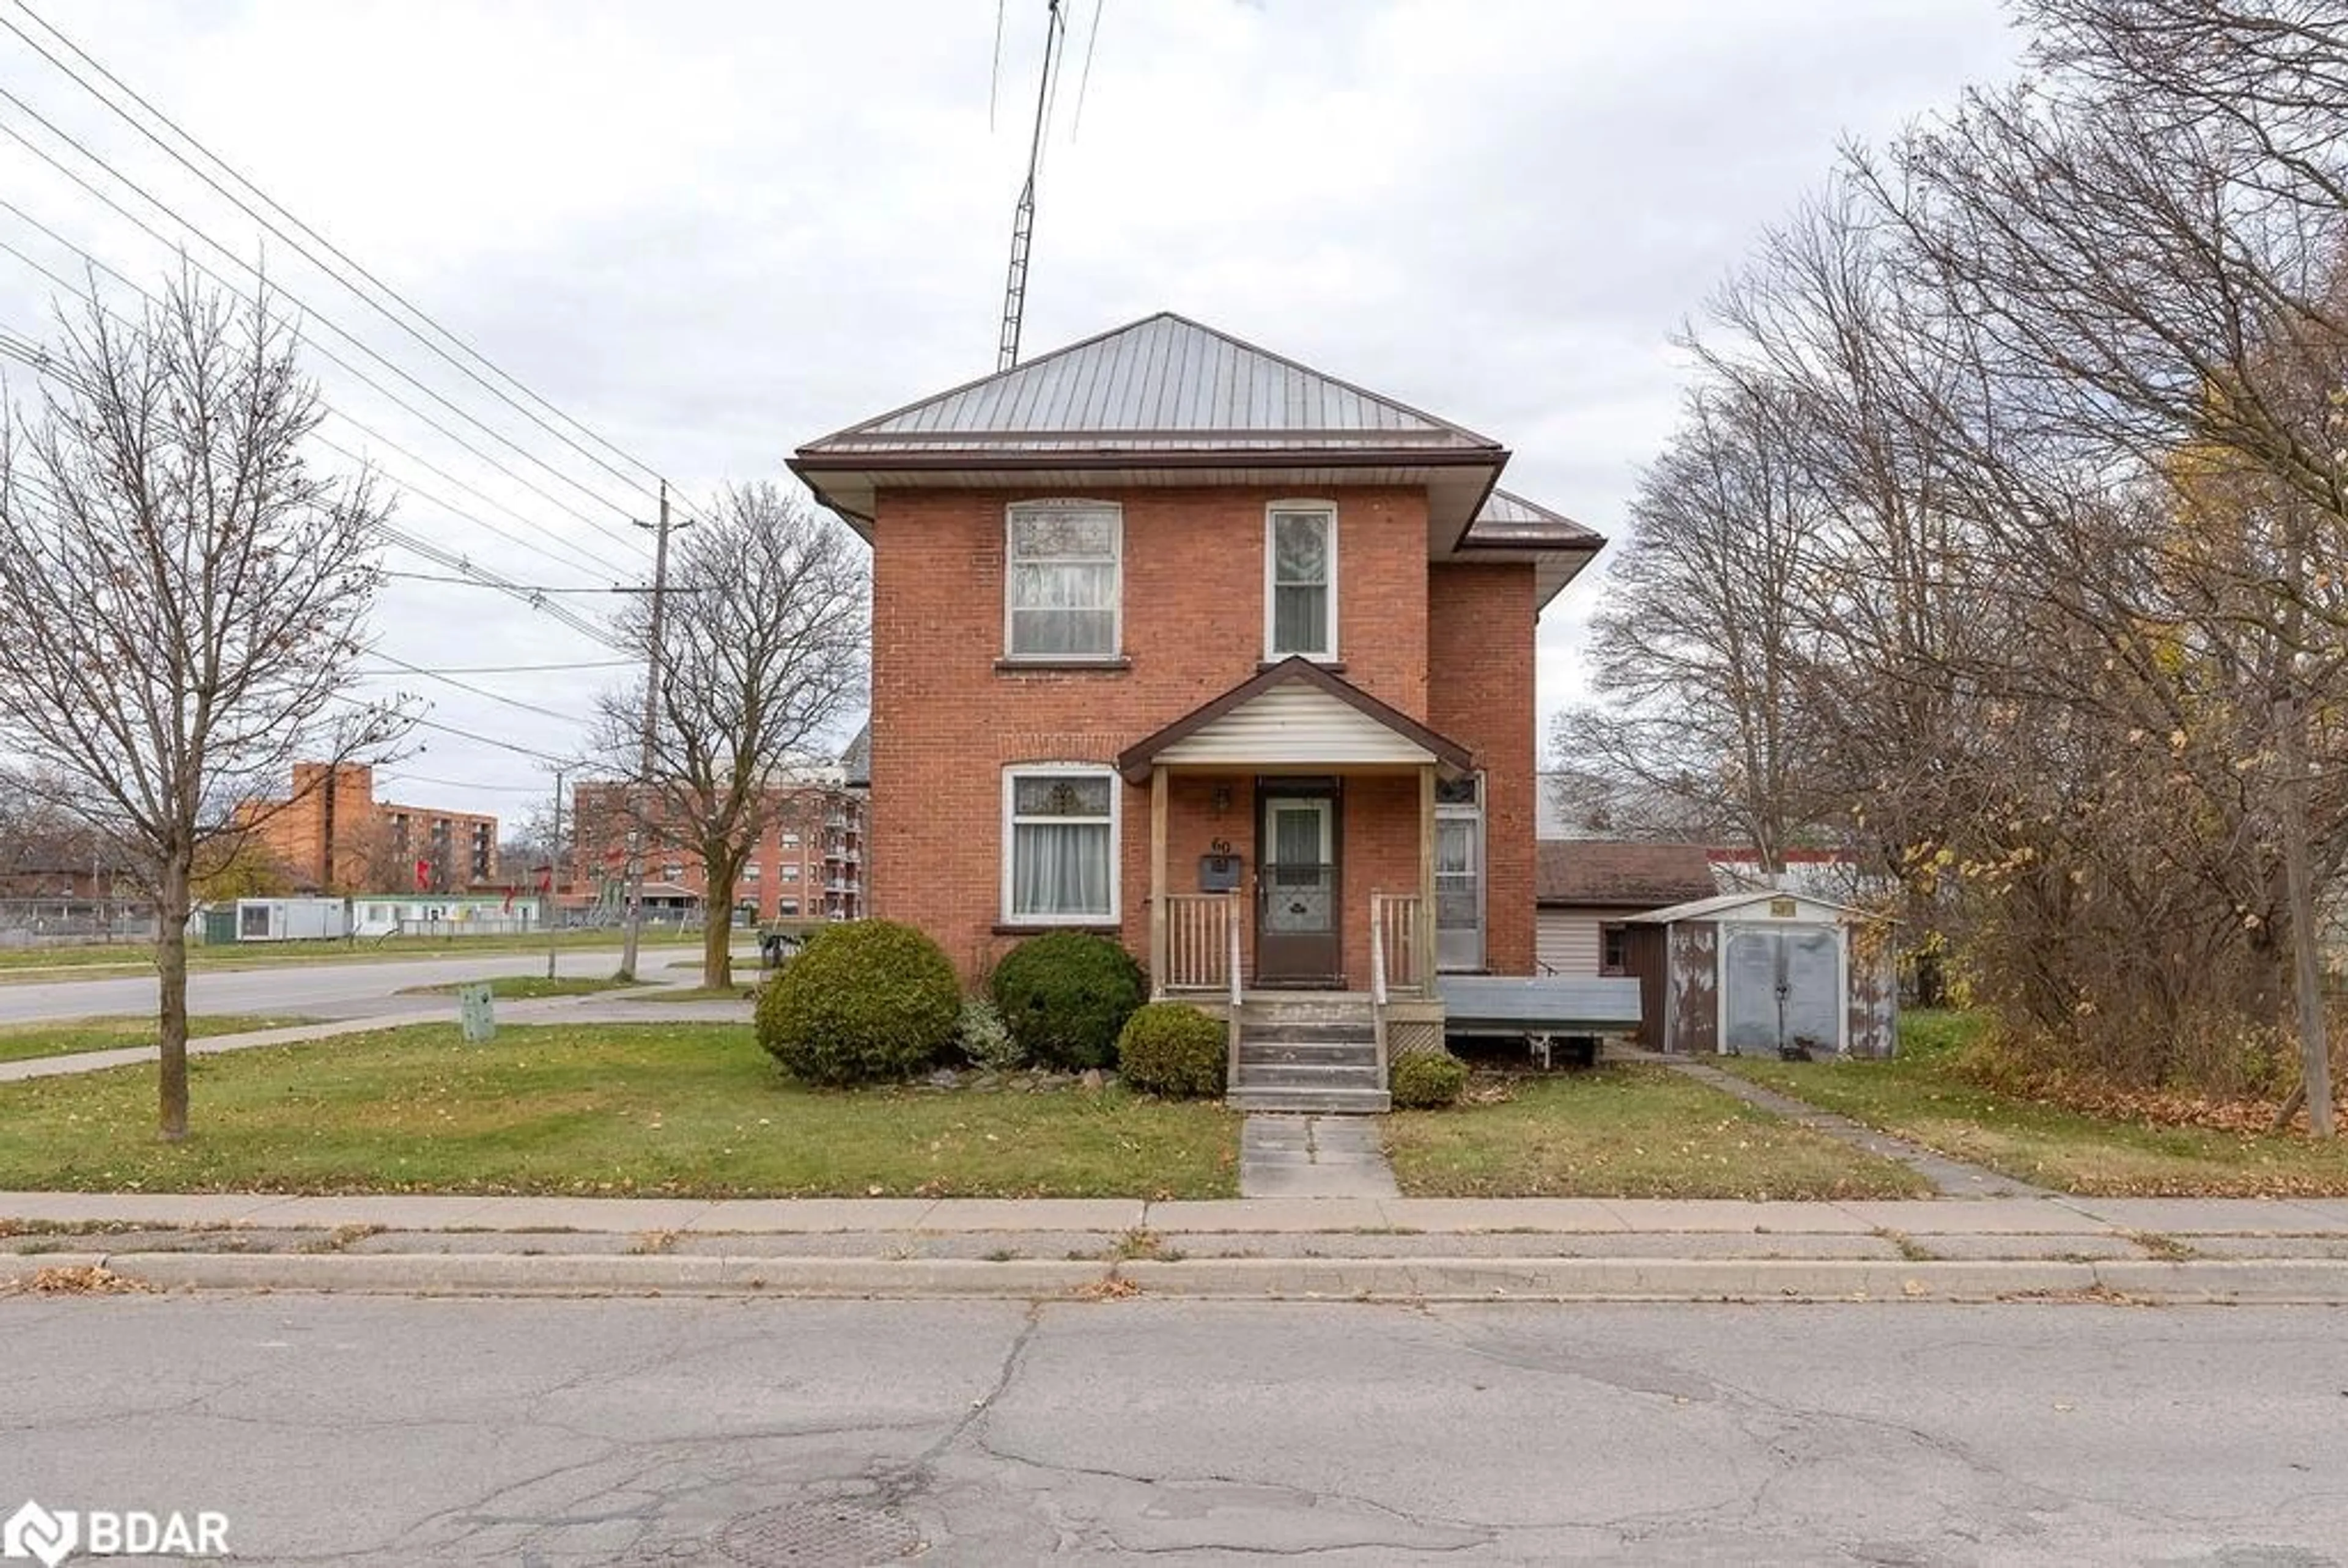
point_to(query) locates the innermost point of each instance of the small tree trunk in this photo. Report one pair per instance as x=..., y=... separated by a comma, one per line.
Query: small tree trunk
x=718, y=927
x=2306, y=940
x=171, y=900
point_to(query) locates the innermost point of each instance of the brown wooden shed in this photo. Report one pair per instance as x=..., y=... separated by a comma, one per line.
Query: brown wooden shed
x=1763, y=974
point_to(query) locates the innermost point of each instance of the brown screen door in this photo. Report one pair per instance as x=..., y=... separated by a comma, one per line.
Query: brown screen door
x=1297, y=902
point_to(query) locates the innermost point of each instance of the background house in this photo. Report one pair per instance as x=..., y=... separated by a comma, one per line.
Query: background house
x=1586, y=889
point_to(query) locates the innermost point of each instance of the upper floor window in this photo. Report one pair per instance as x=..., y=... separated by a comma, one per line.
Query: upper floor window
x=1300, y=595
x=1062, y=588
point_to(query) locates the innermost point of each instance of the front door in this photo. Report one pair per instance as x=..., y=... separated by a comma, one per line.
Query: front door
x=1297, y=936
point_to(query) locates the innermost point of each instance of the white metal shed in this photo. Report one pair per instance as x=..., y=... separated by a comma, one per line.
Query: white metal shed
x=1765, y=973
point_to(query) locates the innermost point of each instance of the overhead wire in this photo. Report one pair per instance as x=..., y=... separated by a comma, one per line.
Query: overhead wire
x=30, y=353
x=418, y=312
x=596, y=562
x=478, y=690
x=310, y=313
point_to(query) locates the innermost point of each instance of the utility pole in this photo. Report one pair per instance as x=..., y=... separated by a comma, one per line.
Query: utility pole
x=634, y=928
x=553, y=876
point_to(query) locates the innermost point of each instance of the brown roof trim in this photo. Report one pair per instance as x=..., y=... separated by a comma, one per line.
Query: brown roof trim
x=1136, y=760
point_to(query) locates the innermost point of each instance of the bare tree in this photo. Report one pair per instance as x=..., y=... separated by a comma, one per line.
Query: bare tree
x=1701, y=643
x=765, y=653
x=182, y=597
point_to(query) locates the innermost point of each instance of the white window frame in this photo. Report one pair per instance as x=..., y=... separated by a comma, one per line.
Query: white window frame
x=1012, y=774
x=1327, y=511
x=1010, y=516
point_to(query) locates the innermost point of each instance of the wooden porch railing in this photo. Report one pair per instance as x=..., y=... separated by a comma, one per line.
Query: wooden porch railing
x=1201, y=942
x=1397, y=929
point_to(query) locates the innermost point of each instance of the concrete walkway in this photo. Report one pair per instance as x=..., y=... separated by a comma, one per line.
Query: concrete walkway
x=1314, y=1157
x=1949, y=1178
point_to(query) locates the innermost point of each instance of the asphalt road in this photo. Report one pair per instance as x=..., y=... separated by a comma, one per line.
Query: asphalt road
x=312, y=990
x=381, y=1431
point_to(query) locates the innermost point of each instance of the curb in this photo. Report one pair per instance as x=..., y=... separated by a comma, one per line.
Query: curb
x=2286, y=1282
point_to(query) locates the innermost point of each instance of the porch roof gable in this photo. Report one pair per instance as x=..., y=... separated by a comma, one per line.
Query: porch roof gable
x=1295, y=714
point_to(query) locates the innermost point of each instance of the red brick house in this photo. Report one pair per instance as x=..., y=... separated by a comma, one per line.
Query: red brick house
x=1162, y=614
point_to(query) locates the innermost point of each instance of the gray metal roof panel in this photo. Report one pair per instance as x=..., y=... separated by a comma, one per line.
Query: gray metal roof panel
x=1509, y=519
x=1165, y=379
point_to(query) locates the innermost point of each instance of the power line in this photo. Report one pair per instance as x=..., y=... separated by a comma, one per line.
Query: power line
x=310, y=311
x=32, y=354
x=403, y=776
x=479, y=690
x=344, y=257
x=596, y=562
x=510, y=587
x=578, y=552
x=518, y=669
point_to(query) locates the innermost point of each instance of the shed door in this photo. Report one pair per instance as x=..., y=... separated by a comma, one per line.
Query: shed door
x=1781, y=986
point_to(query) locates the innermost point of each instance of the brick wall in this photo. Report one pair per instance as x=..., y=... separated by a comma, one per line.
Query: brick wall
x=1480, y=621
x=296, y=831
x=947, y=721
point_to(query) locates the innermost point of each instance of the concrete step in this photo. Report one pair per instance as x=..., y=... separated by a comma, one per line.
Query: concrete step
x=1312, y=1102
x=1346, y=1009
x=1258, y=1076
x=1305, y=1049
x=1351, y=1033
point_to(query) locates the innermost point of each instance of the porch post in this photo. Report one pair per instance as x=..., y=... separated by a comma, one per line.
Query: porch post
x=1425, y=932
x=1157, y=881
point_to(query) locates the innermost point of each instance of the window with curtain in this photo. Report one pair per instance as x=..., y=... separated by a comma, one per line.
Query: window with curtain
x=1061, y=848
x=1062, y=572
x=1300, y=563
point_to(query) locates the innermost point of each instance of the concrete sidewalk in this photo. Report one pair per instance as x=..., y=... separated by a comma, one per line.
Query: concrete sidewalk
x=2147, y=1249
x=604, y=1006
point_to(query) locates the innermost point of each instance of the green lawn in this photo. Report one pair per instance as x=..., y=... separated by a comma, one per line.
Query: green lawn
x=1920, y=1095
x=637, y=1109
x=527, y=988
x=20, y=1041
x=1627, y=1133
x=96, y=958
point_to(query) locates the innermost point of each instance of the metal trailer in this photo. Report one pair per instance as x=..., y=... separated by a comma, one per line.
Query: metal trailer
x=1540, y=1010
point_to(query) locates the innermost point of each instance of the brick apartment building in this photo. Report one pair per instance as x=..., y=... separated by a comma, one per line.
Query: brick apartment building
x=330, y=833
x=808, y=865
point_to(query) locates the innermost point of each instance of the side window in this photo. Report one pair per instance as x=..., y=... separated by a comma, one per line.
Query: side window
x=1063, y=566
x=1300, y=589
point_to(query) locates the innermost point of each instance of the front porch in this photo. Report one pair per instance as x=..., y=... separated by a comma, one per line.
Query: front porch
x=1293, y=881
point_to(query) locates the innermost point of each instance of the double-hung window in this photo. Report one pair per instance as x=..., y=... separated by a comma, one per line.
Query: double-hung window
x=1062, y=581
x=1300, y=592
x=1059, y=845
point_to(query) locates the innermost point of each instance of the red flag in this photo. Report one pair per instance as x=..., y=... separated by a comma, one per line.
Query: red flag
x=423, y=875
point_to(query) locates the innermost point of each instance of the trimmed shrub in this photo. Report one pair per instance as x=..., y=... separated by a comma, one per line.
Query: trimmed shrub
x=1173, y=1050
x=985, y=1040
x=1065, y=995
x=1427, y=1081
x=863, y=1001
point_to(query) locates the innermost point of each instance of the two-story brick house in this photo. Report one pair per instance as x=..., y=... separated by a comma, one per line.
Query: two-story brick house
x=1181, y=641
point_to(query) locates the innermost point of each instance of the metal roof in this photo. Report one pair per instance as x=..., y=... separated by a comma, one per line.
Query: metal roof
x=1509, y=521
x=1707, y=908
x=1161, y=383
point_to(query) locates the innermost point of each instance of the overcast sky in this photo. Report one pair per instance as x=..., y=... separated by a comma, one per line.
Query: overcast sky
x=709, y=231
